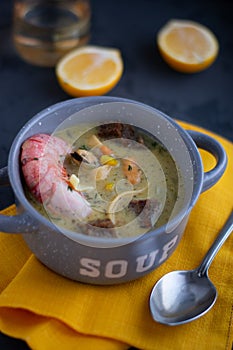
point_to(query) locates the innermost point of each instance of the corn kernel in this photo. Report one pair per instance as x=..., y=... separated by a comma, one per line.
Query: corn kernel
x=105, y=159
x=109, y=186
x=74, y=181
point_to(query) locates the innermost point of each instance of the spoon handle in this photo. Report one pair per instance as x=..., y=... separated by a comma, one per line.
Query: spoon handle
x=221, y=238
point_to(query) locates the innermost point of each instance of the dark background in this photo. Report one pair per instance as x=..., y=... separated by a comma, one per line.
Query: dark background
x=203, y=98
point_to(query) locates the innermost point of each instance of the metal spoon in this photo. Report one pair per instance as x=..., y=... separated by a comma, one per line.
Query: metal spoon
x=183, y=296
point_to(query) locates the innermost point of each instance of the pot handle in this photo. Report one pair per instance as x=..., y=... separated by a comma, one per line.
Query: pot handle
x=21, y=223
x=212, y=146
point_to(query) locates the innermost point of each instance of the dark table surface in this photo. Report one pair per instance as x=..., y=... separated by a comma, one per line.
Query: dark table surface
x=203, y=98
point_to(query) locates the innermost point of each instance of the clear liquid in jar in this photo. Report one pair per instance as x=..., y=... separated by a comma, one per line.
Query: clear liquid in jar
x=44, y=31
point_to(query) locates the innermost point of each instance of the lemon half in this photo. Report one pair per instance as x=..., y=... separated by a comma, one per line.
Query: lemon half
x=89, y=70
x=187, y=46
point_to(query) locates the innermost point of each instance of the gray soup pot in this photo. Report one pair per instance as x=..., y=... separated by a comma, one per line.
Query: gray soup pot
x=110, y=260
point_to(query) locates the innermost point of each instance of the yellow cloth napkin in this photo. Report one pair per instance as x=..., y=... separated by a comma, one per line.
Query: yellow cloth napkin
x=51, y=312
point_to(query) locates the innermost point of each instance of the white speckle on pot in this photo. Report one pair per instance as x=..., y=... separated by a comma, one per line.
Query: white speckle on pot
x=40, y=123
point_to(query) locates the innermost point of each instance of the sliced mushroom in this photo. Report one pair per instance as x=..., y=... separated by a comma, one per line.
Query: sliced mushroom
x=94, y=141
x=86, y=156
x=103, y=148
x=121, y=201
x=102, y=172
x=76, y=159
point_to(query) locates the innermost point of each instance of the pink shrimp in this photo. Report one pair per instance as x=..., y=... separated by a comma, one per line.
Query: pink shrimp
x=132, y=171
x=46, y=178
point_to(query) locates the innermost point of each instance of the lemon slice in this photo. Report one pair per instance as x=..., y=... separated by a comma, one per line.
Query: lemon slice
x=89, y=70
x=187, y=46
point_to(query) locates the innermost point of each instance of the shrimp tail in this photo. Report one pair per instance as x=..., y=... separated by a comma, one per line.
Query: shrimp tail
x=42, y=167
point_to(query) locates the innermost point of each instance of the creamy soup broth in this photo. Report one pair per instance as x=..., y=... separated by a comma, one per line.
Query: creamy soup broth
x=131, y=182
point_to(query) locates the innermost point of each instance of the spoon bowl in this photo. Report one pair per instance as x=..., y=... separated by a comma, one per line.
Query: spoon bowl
x=183, y=296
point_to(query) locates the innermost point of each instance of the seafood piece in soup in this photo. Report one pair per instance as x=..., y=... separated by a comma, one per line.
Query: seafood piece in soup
x=119, y=178
x=46, y=178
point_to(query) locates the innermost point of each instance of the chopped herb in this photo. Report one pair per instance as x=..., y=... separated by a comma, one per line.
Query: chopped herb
x=69, y=188
x=159, y=150
x=129, y=168
x=83, y=147
x=35, y=158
